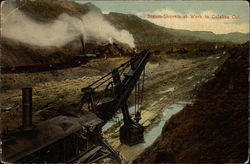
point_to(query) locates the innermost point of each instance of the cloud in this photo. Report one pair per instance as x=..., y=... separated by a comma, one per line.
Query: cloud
x=219, y=24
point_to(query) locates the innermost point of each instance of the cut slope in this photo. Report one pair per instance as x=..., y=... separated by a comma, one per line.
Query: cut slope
x=215, y=128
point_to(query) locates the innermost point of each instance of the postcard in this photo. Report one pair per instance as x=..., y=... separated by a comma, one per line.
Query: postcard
x=124, y=81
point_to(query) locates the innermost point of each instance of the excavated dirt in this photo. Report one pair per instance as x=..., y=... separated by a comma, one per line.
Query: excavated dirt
x=172, y=82
x=215, y=128
x=168, y=81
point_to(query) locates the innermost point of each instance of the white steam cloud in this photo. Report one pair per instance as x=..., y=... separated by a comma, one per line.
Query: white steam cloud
x=63, y=30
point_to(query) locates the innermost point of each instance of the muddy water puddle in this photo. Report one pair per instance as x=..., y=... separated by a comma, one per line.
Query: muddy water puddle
x=155, y=132
x=129, y=153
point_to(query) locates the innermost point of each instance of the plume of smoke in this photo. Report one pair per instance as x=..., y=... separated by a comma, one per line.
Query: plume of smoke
x=63, y=30
x=95, y=25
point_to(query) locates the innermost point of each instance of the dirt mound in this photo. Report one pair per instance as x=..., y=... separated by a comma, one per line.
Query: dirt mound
x=215, y=128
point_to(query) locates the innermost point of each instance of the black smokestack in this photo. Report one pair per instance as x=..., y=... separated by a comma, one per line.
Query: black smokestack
x=27, y=108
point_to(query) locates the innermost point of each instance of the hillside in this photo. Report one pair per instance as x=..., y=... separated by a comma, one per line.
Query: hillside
x=46, y=17
x=215, y=128
x=148, y=34
x=46, y=10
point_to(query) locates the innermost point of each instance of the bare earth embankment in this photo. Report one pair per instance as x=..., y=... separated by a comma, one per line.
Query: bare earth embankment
x=215, y=128
x=173, y=83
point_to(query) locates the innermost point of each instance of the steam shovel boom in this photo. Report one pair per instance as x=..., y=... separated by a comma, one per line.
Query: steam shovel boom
x=118, y=89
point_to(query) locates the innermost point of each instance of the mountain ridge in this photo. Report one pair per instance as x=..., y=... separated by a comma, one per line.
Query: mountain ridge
x=147, y=35
x=175, y=35
x=47, y=11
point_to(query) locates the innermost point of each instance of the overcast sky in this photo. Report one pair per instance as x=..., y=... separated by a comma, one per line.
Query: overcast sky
x=228, y=23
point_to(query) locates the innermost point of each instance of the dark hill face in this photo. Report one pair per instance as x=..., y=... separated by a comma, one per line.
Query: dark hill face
x=18, y=53
x=215, y=128
x=47, y=10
